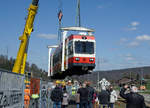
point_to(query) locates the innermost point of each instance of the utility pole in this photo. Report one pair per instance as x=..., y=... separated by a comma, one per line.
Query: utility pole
x=130, y=75
x=7, y=52
x=141, y=76
x=98, y=73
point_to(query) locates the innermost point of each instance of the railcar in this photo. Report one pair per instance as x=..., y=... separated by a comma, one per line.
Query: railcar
x=75, y=55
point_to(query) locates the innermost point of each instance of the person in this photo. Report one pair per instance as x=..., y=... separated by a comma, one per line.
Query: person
x=35, y=99
x=91, y=92
x=50, y=100
x=56, y=96
x=73, y=90
x=65, y=98
x=76, y=85
x=69, y=87
x=49, y=103
x=134, y=100
x=77, y=95
x=104, y=98
x=27, y=96
x=44, y=97
x=95, y=100
x=83, y=92
x=113, y=97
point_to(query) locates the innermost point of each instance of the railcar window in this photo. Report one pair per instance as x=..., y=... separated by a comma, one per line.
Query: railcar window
x=57, y=57
x=84, y=47
x=70, y=48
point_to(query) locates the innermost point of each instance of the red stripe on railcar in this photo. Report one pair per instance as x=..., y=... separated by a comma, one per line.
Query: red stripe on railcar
x=81, y=60
x=81, y=37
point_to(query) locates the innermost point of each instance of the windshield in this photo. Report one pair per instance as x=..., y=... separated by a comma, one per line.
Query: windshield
x=84, y=47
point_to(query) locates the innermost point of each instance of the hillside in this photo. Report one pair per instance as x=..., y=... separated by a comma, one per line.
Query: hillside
x=7, y=64
x=114, y=75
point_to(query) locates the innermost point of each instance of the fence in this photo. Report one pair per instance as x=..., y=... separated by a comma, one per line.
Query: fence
x=42, y=89
x=11, y=90
x=45, y=91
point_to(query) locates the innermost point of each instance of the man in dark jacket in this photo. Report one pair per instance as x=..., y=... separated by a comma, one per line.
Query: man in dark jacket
x=104, y=98
x=134, y=100
x=91, y=92
x=56, y=97
x=83, y=92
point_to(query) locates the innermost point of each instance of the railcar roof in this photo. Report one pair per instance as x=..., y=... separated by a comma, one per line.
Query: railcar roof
x=77, y=29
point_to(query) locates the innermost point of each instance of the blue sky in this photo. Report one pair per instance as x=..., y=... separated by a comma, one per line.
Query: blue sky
x=122, y=29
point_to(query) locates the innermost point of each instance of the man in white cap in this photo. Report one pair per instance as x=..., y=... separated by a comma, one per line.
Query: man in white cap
x=134, y=100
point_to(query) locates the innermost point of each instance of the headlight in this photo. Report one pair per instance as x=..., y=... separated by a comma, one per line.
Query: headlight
x=77, y=59
x=91, y=59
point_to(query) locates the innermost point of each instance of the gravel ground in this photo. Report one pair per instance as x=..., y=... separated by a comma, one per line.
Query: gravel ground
x=117, y=105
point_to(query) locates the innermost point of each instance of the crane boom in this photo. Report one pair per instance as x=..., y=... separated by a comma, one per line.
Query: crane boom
x=20, y=62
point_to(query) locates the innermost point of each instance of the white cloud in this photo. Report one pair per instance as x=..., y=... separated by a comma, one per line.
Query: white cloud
x=134, y=23
x=143, y=38
x=100, y=7
x=132, y=26
x=132, y=29
x=134, y=44
x=138, y=40
x=129, y=57
x=123, y=39
x=47, y=36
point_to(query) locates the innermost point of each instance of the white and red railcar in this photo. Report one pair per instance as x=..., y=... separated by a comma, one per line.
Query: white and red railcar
x=75, y=55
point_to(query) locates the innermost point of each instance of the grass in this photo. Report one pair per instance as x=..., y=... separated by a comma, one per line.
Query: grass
x=145, y=92
x=117, y=88
x=148, y=85
x=120, y=105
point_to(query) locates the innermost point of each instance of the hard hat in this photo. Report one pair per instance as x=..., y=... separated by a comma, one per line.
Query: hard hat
x=63, y=83
x=27, y=86
x=58, y=82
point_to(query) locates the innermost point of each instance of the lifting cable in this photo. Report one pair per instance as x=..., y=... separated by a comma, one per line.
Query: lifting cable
x=78, y=21
x=60, y=15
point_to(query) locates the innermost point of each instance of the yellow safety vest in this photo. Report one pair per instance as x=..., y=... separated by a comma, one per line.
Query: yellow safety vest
x=73, y=90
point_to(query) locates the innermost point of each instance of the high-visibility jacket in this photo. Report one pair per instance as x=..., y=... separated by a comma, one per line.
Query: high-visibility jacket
x=73, y=90
x=26, y=98
x=35, y=96
x=27, y=91
x=26, y=94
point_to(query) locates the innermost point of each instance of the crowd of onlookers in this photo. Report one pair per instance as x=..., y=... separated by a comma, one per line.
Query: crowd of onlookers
x=82, y=95
x=86, y=96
